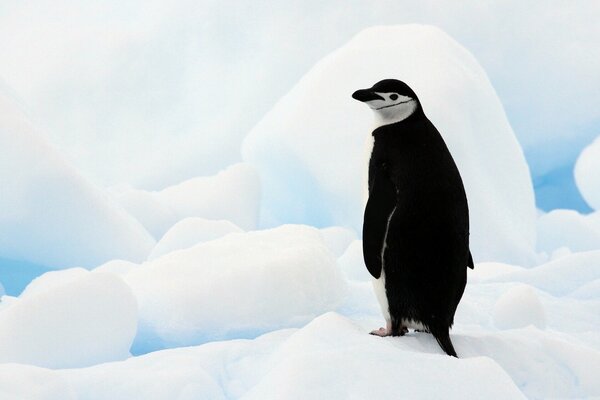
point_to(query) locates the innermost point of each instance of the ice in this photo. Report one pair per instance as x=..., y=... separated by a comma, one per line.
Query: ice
x=49, y=214
x=559, y=277
x=309, y=150
x=586, y=174
x=240, y=285
x=561, y=229
x=69, y=318
x=324, y=358
x=233, y=194
x=352, y=264
x=191, y=231
x=519, y=308
x=19, y=381
x=338, y=239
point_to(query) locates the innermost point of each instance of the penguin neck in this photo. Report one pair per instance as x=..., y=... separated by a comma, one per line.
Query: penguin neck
x=399, y=121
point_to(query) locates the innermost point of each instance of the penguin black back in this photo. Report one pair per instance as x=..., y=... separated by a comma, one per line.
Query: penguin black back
x=416, y=224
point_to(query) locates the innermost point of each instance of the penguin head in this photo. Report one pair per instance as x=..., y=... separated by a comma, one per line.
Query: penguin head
x=391, y=100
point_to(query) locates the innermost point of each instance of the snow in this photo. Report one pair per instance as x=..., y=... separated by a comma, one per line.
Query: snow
x=518, y=308
x=568, y=229
x=233, y=194
x=586, y=174
x=309, y=148
x=285, y=311
x=191, y=231
x=338, y=239
x=240, y=285
x=69, y=318
x=16, y=380
x=49, y=214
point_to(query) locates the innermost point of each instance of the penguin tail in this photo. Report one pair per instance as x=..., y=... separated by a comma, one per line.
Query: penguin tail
x=471, y=264
x=443, y=338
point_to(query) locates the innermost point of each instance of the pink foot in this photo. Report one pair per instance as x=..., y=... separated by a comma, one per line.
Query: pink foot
x=381, y=332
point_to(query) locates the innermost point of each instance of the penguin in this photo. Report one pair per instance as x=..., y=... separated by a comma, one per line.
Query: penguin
x=416, y=220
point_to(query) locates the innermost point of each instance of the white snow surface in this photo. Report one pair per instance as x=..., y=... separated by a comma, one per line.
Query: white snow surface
x=69, y=318
x=294, y=324
x=191, y=231
x=240, y=285
x=233, y=194
x=49, y=214
x=587, y=169
x=309, y=149
x=559, y=230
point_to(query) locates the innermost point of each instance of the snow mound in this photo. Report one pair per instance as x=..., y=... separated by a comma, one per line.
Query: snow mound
x=567, y=228
x=352, y=263
x=118, y=267
x=385, y=369
x=33, y=383
x=519, y=308
x=587, y=168
x=49, y=214
x=338, y=239
x=309, y=149
x=559, y=277
x=191, y=231
x=69, y=318
x=240, y=285
x=233, y=194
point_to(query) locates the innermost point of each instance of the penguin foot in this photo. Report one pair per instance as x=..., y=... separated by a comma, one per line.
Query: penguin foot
x=381, y=332
x=403, y=330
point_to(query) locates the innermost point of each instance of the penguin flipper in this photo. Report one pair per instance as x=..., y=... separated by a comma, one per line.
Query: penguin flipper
x=380, y=206
x=471, y=264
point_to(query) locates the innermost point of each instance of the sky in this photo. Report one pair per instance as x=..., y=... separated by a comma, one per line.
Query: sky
x=149, y=93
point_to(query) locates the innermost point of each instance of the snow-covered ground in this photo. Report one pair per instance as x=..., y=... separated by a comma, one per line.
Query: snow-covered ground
x=250, y=284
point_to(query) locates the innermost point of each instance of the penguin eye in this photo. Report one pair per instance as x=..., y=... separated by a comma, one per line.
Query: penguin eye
x=393, y=96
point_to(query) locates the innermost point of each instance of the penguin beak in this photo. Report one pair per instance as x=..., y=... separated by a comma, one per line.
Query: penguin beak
x=366, y=95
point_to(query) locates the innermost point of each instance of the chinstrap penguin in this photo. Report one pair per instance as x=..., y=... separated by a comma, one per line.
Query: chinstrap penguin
x=416, y=221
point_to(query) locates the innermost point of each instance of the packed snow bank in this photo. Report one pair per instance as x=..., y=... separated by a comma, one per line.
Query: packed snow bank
x=69, y=318
x=233, y=194
x=559, y=277
x=587, y=168
x=240, y=285
x=309, y=149
x=567, y=228
x=338, y=239
x=324, y=359
x=519, y=308
x=191, y=231
x=49, y=214
x=19, y=381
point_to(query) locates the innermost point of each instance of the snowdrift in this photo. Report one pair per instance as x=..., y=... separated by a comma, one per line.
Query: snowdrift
x=586, y=174
x=49, y=214
x=70, y=318
x=240, y=285
x=233, y=194
x=309, y=149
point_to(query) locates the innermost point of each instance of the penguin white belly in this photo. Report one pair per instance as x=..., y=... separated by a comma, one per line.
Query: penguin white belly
x=369, y=143
x=379, y=284
x=379, y=289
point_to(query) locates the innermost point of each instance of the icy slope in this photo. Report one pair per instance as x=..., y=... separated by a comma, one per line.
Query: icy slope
x=49, y=214
x=240, y=285
x=309, y=149
x=586, y=174
x=233, y=194
x=520, y=332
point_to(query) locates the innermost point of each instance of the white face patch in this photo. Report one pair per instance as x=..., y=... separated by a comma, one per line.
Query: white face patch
x=393, y=108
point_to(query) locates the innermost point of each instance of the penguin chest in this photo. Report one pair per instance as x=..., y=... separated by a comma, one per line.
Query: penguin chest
x=379, y=284
x=369, y=145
